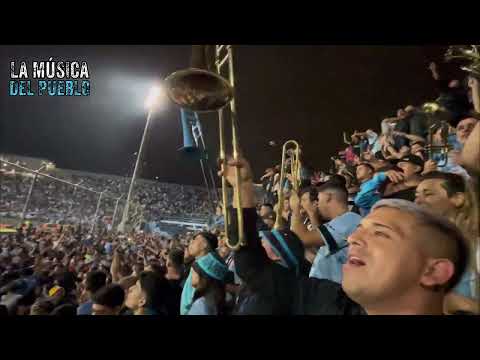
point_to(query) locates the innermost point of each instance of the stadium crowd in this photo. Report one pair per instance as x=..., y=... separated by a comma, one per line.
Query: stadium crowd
x=56, y=202
x=392, y=229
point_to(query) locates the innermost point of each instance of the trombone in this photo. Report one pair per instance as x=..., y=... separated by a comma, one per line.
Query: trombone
x=469, y=54
x=295, y=167
x=432, y=109
x=201, y=88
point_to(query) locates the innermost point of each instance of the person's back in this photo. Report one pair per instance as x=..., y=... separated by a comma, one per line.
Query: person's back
x=267, y=284
x=175, y=278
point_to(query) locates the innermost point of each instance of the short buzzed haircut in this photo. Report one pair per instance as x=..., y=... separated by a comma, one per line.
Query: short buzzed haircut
x=452, y=183
x=448, y=241
x=340, y=192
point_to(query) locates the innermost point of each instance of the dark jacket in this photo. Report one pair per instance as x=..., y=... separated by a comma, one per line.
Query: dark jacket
x=271, y=289
x=455, y=100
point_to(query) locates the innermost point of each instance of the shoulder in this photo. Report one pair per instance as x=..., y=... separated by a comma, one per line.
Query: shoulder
x=325, y=297
x=202, y=307
x=85, y=308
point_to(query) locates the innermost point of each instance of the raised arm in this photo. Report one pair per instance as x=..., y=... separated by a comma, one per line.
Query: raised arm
x=251, y=259
x=308, y=238
x=115, y=267
x=410, y=137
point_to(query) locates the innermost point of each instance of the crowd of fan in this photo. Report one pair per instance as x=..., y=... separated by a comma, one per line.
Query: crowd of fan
x=56, y=202
x=389, y=231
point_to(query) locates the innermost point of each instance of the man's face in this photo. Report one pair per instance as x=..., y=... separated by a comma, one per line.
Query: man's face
x=363, y=173
x=464, y=128
x=198, y=283
x=401, y=113
x=324, y=200
x=197, y=246
x=306, y=203
x=265, y=210
x=432, y=195
x=223, y=251
x=408, y=168
x=103, y=310
x=135, y=297
x=379, y=249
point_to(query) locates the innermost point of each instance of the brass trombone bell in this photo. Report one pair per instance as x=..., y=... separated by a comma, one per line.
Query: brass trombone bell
x=198, y=90
x=470, y=54
x=201, y=88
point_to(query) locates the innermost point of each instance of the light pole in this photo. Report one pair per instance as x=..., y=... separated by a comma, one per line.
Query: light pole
x=96, y=211
x=25, y=207
x=115, y=211
x=151, y=104
x=73, y=197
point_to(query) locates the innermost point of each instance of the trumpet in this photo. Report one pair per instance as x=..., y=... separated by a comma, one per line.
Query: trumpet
x=202, y=89
x=470, y=54
x=292, y=155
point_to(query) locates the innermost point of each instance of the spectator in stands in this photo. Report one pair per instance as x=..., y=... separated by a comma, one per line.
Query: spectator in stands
x=453, y=96
x=95, y=281
x=446, y=194
x=201, y=245
x=148, y=295
x=175, y=276
x=465, y=128
x=108, y=300
x=396, y=233
x=271, y=267
x=265, y=209
x=410, y=169
x=208, y=276
x=470, y=156
x=368, y=194
x=330, y=237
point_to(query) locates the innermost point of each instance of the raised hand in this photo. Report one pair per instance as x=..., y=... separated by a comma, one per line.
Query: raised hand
x=395, y=176
x=246, y=174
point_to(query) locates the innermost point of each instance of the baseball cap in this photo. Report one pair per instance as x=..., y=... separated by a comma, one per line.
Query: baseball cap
x=413, y=159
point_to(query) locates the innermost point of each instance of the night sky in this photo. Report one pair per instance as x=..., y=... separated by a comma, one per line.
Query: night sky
x=307, y=93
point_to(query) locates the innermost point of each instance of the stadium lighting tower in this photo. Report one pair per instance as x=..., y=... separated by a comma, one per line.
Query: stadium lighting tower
x=96, y=211
x=152, y=103
x=115, y=211
x=27, y=201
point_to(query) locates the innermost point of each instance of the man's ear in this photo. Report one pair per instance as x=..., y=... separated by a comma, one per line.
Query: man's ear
x=437, y=273
x=329, y=197
x=458, y=199
x=142, y=301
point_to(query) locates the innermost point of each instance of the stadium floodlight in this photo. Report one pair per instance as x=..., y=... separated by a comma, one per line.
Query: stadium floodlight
x=155, y=97
x=153, y=101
